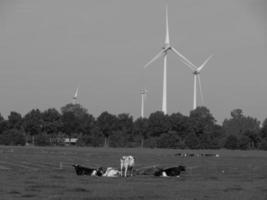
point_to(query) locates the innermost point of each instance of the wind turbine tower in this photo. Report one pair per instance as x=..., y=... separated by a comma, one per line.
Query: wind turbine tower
x=143, y=96
x=166, y=48
x=74, y=99
x=196, y=74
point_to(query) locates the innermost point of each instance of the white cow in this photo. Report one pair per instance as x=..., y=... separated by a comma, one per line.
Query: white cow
x=111, y=172
x=127, y=162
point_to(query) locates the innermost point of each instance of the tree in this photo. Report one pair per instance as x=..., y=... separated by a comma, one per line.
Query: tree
x=70, y=124
x=12, y=137
x=87, y=124
x=76, y=109
x=158, y=124
x=42, y=139
x=263, y=131
x=33, y=123
x=180, y=124
x=140, y=129
x=3, y=124
x=203, y=124
x=253, y=138
x=123, y=129
x=169, y=140
x=263, y=144
x=125, y=123
x=231, y=142
x=52, y=122
x=202, y=120
x=76, y=120
x=192, y=141
x=106, y=123
x=15, y=120
x=239, y=124
x=245, y=128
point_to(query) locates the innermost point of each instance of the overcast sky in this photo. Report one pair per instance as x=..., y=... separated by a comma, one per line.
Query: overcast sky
x=49, y=47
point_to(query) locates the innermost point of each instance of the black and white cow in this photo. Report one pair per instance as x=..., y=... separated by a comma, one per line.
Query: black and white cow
x=112, y=172
x=80, y=170
x=173, y=171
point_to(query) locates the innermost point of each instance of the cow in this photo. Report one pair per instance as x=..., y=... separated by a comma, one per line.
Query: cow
x=80, y=170
x=173, y=171
x=148, y=170
x=210, y=155
x=127, y=162
x=112, y=172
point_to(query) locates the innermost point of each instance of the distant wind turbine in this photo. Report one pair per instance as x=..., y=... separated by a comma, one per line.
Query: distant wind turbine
x=74, y=99
x=164, y=53
x=143, y=96
x=196, y=74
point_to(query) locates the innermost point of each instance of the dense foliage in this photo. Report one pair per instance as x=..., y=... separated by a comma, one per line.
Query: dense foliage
x=199, y=130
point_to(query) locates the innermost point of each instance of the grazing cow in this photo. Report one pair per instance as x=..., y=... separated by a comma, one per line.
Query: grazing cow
x=185, y=154
x=127, y=162
x=173, y=171
x=111, y=172
x=210, y=155
x=80, y=170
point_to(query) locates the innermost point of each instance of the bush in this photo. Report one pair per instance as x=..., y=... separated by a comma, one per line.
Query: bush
x=151, y=142
x=208, y=141
x=13, y=137
x=118, y=139
x=90, y=140
x=263, y=144
x=244, y=142
x=168, y=140
x=192, y=141
x=42, y=139
x=231, y=142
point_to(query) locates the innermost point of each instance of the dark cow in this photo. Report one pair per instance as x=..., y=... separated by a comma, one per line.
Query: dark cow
x=209, y=155
x=148, y=170
x=173, y=171
x=80, y=170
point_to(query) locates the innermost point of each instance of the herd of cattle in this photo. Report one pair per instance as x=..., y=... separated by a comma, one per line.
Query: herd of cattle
x=127, y=164
x=197, y=155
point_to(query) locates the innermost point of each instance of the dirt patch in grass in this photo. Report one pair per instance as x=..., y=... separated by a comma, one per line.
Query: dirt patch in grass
x=79, y=189
x=28, y=195
x=233, y=189
x=14, y=192
x=57, y=177
x=37, y=187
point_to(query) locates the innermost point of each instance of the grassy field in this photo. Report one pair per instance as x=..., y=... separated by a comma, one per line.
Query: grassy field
x=46, y=173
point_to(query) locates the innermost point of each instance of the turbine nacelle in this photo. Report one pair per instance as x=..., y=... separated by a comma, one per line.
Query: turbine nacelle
x=167, y=48
x=196, y=72
x=143, y=91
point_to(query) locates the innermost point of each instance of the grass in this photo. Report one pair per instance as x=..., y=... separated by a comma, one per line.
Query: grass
x=34, y=173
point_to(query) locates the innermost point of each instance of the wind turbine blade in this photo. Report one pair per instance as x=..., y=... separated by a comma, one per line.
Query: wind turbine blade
x=184, y=60
x=167, y=37
x=145, y=95
x=200, y=89
x=76, y=93
x=204, y=63
x=155, y=58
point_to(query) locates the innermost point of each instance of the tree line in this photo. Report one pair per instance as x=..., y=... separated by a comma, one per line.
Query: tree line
x=199, y=130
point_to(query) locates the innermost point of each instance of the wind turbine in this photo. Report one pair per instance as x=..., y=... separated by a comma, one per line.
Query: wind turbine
x=74, y=99
x=167, y=47
x=143, y=96
x=196, y=74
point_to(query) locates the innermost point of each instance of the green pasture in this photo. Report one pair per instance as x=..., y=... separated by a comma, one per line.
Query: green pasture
x=46, y=173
